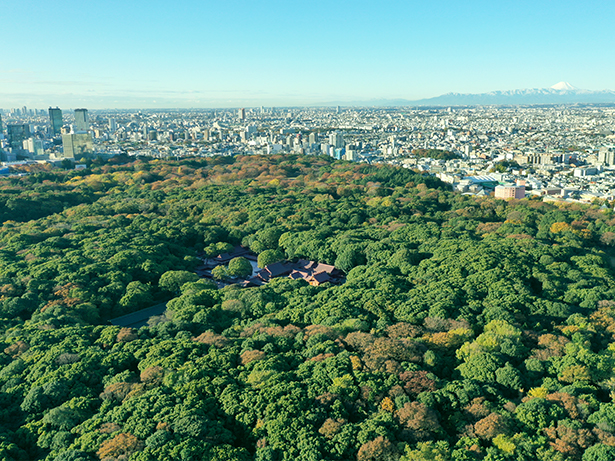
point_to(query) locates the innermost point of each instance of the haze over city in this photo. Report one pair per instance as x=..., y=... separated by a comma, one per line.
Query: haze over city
x=273, y=53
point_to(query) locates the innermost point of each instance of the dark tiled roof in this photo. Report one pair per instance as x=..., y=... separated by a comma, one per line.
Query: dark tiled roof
x=295, y=275
x=277, y=269
x=237, y=251
x=323, y=268
x=321, y=277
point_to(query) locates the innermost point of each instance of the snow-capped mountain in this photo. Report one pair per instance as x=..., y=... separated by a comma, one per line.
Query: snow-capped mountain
x=565, y=86
x=560, y=93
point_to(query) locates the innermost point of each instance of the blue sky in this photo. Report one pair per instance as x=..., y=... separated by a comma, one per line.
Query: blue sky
x=141, y=54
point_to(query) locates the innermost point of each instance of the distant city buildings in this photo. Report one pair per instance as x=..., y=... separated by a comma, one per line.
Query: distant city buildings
x=561, y=152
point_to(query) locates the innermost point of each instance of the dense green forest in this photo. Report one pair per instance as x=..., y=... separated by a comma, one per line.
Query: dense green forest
x=467, y=328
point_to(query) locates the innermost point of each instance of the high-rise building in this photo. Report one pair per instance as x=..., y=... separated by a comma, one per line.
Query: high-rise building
x=112, y=125
x=1, y=126
x=17, y=133
x=77, y=144
x=242, y=114
x=606, y=155
x=81, y=120
x=55, y=120
x=336, y=139
x=34, y=146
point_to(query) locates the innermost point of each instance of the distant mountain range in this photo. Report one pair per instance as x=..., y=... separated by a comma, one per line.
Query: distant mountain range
x=561, y=93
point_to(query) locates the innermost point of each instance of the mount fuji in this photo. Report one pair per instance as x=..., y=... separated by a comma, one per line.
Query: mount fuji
x=560, y=93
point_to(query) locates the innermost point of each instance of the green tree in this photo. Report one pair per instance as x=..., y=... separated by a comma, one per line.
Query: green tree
x=173, y=280
x=599, y=452
x=269, y=257
x=538, y=413
x=138, y=296
x=239, y=267
x=220, y=272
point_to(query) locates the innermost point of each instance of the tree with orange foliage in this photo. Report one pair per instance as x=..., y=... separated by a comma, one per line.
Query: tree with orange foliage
x=122, y=444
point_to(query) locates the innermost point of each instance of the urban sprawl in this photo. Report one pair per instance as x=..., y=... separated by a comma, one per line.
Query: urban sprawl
x=557, y=152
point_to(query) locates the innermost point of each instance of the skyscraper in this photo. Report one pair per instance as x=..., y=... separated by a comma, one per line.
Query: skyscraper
x=81, y=120
x=242, y=114
x=77, y=144
x=336, y=139
x=34, y=146
x=17, y=133
x=55, y=119
x=606, y=155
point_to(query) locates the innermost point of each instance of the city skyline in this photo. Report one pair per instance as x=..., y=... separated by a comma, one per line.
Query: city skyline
x=271, y=53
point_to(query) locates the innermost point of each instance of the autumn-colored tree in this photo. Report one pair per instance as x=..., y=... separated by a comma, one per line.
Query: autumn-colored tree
x=152, y=375
x=251, y=356
x=491, y=426
x=331, y=427
x=379, y=449
x=126, y=335
x=122, y=444
x=419, y=417
x=211, y=339
x=417, y=381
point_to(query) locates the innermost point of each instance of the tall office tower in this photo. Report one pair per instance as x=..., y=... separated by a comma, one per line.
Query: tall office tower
x=77, y=144
x=34, y=146
x=313, y=138
x=81, y=120
x=112, y=125
x=1, y=126
x=336, y=139
x=55, y=119
x=338, y=110
x=606, y=155
x=17, y=133
x=242, y=114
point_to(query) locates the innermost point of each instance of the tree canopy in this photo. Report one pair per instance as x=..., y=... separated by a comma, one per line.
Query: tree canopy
x=466, y=328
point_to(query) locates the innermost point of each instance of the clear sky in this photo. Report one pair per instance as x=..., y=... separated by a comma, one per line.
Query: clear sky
x=232, y=53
